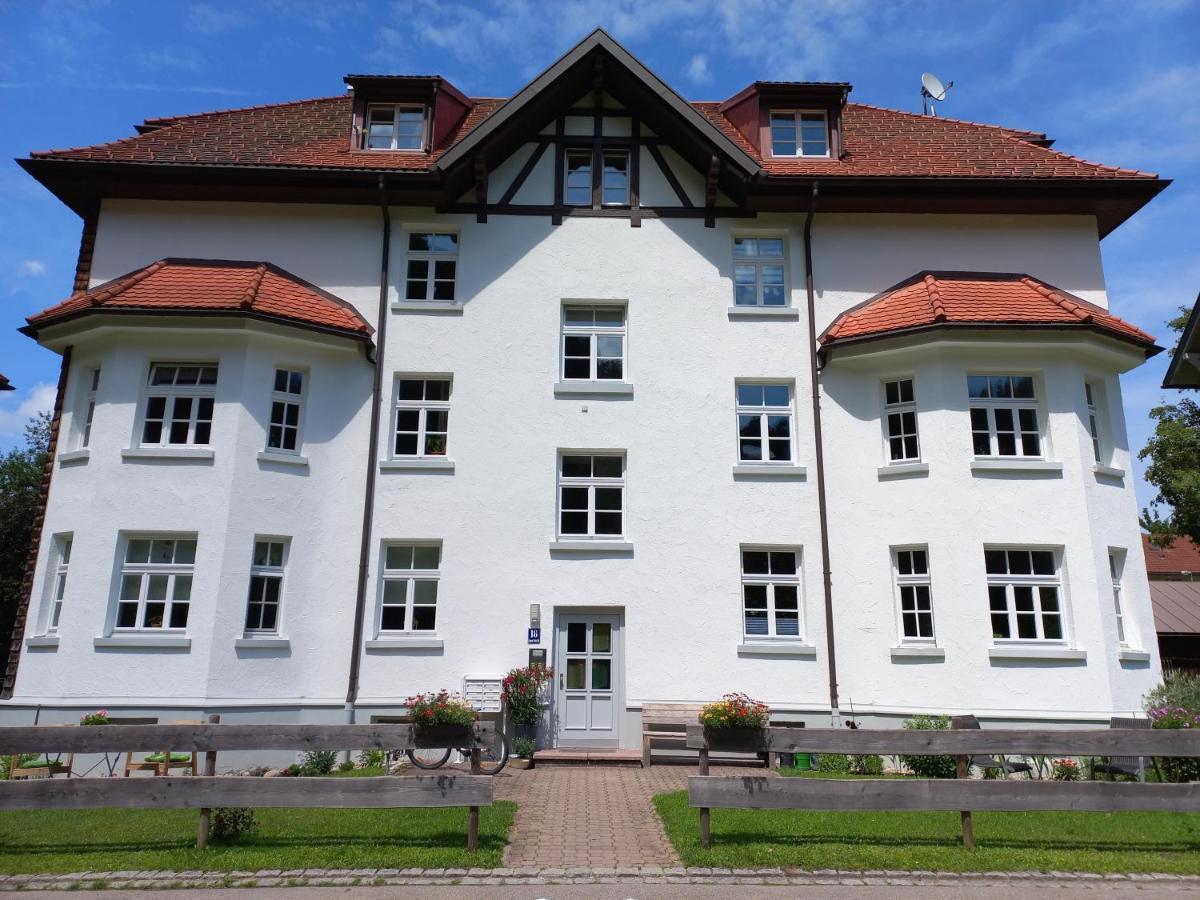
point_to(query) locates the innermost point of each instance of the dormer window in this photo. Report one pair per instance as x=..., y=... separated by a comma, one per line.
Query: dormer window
x=393, y=126
x=799, y=133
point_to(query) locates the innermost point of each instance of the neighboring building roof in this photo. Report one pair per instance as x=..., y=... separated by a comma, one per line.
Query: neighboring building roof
x=975, y=299
x=1176, y=606
x=5, y=384
x=1182, y=557
x=174, y=286
x=1184, y=369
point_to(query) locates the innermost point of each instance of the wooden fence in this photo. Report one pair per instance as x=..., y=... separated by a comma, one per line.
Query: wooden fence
x=206, y=792
x=758, y=792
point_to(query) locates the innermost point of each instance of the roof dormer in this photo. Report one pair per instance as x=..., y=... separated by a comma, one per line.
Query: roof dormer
x=404, y=113
x=790, y=119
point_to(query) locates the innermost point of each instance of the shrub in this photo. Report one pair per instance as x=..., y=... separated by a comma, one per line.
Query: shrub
x=735, y=711
x=930, y=766
x=524, y=747
x=228, y=823
x=1179, y=689
x=1177, y=768
x=291, y=771
x=834, y=763
x=318, y=762
x=521, y=687
x=99, y=717
x=866, y=765
x=437, y=709
x=372, y=759
x=1066, y=770
x=346, y=765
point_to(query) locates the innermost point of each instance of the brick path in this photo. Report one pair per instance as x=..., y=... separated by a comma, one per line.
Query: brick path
x=592, y=816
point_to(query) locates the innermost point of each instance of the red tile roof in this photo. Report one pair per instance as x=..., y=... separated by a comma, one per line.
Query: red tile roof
x=1182, y=555
x=214, y=285
x=316, y=133
x=974, y=298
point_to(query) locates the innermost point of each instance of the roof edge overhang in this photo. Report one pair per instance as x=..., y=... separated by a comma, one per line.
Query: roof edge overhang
x=1187, y=353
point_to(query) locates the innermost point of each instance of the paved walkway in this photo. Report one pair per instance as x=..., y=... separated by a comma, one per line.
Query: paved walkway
x=592, y=816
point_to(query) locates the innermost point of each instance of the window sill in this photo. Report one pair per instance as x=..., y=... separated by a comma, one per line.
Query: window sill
x=142, y=642
x=167, y=453
x=1017, y=464
x=283, y=459
x=42, y=642
x=586, y=546
x=744, y=470
x=428, y=306
x=1028, y=651
x=903, y=470
x=764, y=312
x=1108, y=471
x=1125, y=654
x=262, y=643
x=383, y=645
x=416, y=464
x=71, y=457
x=592, y=388
x=777, y=648
x=918, y=651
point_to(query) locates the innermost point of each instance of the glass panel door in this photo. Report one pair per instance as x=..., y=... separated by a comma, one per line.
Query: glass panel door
x=588, y=680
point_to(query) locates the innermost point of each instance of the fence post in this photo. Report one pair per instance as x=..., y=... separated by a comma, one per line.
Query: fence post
x=963, y=770
x=705, y=835
x=473, y=812
x=210, y=769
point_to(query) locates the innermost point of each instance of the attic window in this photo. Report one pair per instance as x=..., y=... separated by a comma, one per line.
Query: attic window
x=391, y=126
x=799, y=133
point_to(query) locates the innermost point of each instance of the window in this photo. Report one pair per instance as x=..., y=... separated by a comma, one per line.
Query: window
x=912, y=586
x=266, y=586
x=89, y=407
x=771, y=593
x=1091, y=393
x=179, y=405
x=286, y=400
x=422, y=417
x=764, y=423
x=432, y=266
x=900, y=421
x=799, y=133
x=577, y=179
x=394, y=127
x=62, y=558
x=156, y=583
x=758, y=272
x=593, y=347
x=591, y=495
x=410, y=587
x=1116, y=567
x=1004, y=416
x=1023, y=594
x=615, y=184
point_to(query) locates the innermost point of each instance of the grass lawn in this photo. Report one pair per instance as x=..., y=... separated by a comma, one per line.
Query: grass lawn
x=99, y=840
x=1046, y=841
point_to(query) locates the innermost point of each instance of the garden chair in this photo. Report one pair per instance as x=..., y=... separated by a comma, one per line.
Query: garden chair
x=162, y=762
x=45, y=766
x=1006, y=766
x=1133, y=766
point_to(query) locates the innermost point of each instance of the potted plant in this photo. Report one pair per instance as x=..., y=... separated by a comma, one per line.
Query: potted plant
x=440, y=719
x=735, y=722
x=520, y=692
x=99, y=717
x=524, y=748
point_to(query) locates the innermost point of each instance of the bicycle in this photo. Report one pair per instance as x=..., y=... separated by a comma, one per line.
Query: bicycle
x=491, y=759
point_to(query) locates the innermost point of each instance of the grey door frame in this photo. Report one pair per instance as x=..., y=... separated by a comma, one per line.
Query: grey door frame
x=616, y=615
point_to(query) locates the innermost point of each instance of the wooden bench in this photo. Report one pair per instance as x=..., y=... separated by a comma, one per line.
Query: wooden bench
x=666, y=725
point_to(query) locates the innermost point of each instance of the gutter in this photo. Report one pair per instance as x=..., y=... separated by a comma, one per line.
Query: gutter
x=822, y=505
x=364, y=553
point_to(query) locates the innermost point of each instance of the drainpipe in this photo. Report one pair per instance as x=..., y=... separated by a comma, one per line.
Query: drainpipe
x=822, y=505
x=364, y=553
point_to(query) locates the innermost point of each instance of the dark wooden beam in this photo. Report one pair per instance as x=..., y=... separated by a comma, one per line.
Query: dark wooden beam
x=635, y=168
x=605, y=212
x=526, y=171
x=560, y=158
x=481, y=189
x=669, y=175
x=710, y=190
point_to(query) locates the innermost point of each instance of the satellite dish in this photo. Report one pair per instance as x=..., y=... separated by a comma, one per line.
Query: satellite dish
x=932, y=89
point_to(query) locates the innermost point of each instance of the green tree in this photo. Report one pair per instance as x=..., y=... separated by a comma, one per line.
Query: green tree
x=1173, y=469
x=20, y=488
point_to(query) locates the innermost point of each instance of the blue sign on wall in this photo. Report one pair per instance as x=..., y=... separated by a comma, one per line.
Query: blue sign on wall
x=535, y=635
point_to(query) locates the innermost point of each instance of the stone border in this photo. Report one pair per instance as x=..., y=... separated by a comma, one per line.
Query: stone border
x=133, y=880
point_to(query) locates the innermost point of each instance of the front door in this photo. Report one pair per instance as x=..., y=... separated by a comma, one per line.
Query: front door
x=587, y=705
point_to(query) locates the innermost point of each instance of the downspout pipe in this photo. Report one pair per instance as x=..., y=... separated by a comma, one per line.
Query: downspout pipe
x=819, y=445
x=364, y=552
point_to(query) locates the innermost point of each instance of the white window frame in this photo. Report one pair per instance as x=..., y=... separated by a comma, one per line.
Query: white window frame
x=797, y=115
x=267, y=571
x=1010, y=581
x=593, y=333
x=396, y=108
x=171, y=392
x=764, y=414
x=1116, y=570
x=991, y=404
x=422, y=408
x=288, y=399
x=591, y=483
x=605, y=152
x=914, y=580
x=144, y=571
x=771, y=581
x=589, y=152
x=759, y=262
x=88, y=406
x=410, y=577
x=431, y=259
x=900, y=408
x=59, y=564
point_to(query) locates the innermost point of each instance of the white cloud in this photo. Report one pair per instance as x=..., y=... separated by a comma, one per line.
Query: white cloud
x=209, y=19
x=39, y=398
x=31, y=268
x=697, y=69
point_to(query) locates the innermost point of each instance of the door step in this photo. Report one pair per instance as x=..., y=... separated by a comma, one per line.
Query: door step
x=569, y=756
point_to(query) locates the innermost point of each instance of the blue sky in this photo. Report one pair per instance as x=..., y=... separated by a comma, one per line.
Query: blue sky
x=1117, y=82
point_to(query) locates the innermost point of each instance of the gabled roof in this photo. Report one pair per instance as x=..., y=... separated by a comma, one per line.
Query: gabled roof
x=214, y=286
x=1181, y=556
x=5, y=385
x=975, y=299
x=1184, y=368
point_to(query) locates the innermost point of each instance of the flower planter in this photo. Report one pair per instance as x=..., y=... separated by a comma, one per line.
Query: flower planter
x=749, y=740
x=525, y=730
x=518, y=763
x=437, y=736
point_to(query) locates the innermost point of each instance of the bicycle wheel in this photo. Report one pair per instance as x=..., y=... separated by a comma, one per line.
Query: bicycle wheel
x=492, y=759
x=433, y=758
